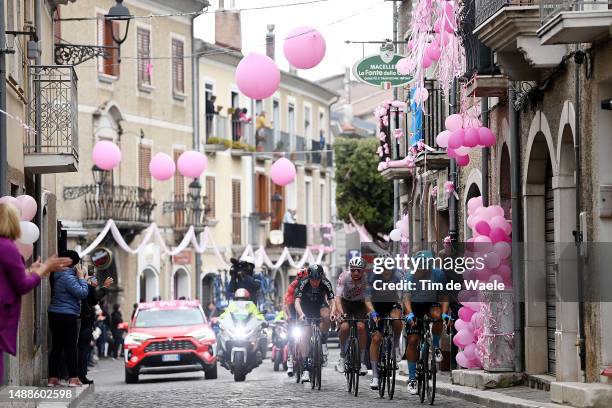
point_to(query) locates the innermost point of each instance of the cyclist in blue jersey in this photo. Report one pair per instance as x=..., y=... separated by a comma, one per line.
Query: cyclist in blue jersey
x=420, y=301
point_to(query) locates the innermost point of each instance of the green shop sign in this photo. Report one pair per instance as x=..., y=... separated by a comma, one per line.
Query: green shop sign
x=379, y=70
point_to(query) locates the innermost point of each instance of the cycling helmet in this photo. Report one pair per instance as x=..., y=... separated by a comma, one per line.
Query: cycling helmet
x=242, y=294
x=315, y=272
x=302, y=273
x=357, y=262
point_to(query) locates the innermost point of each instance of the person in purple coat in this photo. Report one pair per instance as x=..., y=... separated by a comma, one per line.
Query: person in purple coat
x=15, y=279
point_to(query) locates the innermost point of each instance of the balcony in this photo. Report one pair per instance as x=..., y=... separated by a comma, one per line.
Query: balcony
x=129, y=207
x=433, y=123
x=55, y=108
x=575, y=21
x=225, y=132
x=509, y=28
x=185, y=214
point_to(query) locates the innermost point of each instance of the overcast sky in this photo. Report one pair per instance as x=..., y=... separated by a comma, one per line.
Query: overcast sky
x=338, y=21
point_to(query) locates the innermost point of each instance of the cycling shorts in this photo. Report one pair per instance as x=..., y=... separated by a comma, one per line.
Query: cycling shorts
x=313, y=309
x=420, y=310
x=384, y=310
x=354, y=309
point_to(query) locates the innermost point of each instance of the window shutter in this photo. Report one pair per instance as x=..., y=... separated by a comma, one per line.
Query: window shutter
x=101, y=36
x=236, y=214
x=210, y=194
x=143, y=163
x=178, y=74
x=115, y=53
x=143, y=38
x=179, y=192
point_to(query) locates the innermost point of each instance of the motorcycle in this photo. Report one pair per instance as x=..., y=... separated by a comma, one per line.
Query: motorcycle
x=239, y=341
x=280, y=346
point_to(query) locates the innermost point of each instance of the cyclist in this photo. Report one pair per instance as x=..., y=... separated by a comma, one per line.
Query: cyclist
x=384, y=302
x=352, y=287
x=313, y=298
x=289, y=309
x=420, y=302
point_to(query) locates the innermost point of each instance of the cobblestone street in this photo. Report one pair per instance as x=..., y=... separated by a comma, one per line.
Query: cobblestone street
x=262, y=388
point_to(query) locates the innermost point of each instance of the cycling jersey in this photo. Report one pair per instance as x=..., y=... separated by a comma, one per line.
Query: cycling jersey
x=290, y=294
x=351, y=290
x=314, y=299
x=423, y=292
x=379, y=292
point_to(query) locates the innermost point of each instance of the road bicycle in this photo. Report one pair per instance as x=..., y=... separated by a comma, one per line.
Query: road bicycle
x=427, y=367
x=352, y=361
x=387, y=363
x=315, y=354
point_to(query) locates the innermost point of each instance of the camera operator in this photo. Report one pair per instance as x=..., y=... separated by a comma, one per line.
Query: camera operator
x=241, y=277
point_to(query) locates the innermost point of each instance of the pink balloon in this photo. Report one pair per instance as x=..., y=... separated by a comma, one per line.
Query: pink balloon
x=451, y=153
x=470, y=351
x=442, y=139
x=463, y=151
x=257, y=76
x=498, y=222
x=426, y=62
x=454, y=122
x=471, y=138
x=498, y=210
x=456, y=139
x=162, y=167
x=442, y=39
x=464, y=337
x=282, y=172
x=461, y=324
x=461, y=359
x=482, y=243
x=434, y=52
x=463, y=160
x=437, y=26
x=476, y=319
x=505, y=271
x=106, y=155
x=465, y=313
x=487, y=138
x=495, y=278
x=475, y=202
x=28, y=207
x=304, y=47
x=10, y=200
x=482, y=227
x=192, y=164
x=403, y=66
x=492, y=260
x=503, y=249
x=497, y=235
x=25, y=250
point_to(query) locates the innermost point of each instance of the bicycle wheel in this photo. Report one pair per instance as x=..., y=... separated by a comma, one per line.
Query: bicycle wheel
x=424, y=362
x=348, y=369
x=382, y=370
x=431, y=379
x=298, y=368
x=355, y=365
x=391, y=368
x=319, y=364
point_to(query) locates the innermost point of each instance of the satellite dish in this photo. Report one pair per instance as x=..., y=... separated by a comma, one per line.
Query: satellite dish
x=276, y=237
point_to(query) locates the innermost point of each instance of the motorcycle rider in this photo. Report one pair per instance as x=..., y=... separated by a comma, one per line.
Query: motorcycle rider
x=250, y=307
x=420, y=302
x=313, y=298
x=352, y=286
x=383, y=303
x=289, y=309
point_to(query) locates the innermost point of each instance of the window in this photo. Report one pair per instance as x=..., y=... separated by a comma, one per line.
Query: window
x=322, y=204
x=210, y=194
x=108, y=66
x=263, y=196
x=143, y=39
x=15, y=61
x=307, y=124
x=144, y=158
x=178, y=67
x=291, y=120
x=258, y=106
x=278, y=207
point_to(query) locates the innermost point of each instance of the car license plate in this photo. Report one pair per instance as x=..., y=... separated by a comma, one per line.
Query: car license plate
x=171, y=357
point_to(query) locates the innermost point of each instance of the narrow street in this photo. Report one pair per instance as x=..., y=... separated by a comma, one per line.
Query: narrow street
x=262, y=388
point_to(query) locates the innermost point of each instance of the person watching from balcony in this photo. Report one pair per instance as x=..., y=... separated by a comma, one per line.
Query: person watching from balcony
x=261, y=124
x=210, y=114
x=16, y=280
x=68, y=288
x=289, y=217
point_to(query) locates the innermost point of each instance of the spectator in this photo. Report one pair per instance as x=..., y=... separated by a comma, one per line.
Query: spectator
x=289, y=217
x=100, y=327
x=210, y=114
x=16, y=280
x=322, y=139
x=211, y=310
x=115, y=320
x=68, y=288
x=88, y=319
x=261, y=124
x=236, y=124
x=243, y=120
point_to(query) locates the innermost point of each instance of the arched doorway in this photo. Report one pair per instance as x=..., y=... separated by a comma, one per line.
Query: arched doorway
x=208, y=288
x=278, y=287
x=148, y=285
x=473, y=191
x=181, y=285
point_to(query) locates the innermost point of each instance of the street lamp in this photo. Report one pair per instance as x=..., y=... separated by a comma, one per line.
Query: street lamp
x=195, y=189
x=99, y=175
x=119, y=13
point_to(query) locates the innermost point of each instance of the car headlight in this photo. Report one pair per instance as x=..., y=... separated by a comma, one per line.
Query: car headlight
x=296, y=332
x=136, y=338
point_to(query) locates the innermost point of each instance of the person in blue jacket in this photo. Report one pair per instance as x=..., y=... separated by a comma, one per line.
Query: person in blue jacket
x=68, y=288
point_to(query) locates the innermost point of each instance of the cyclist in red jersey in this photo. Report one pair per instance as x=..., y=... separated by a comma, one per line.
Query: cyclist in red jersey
x=289, y=309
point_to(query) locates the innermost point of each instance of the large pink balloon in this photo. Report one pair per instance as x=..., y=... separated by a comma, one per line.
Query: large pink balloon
x=465, y=313
x=497, y=235
x=10, y=200
x=461, y=359
x=106, y=155
x=442, y=139
x=403, y=66
x=191, y=164
x=463, y=160
x=25, y=250
x=304, y=47
x=454, y=122
x=471, y=138
x=257, y=76
x=28, y=207
x=282, y=172
x=503, y=249
x=434, y=52
x=162, y=167
x=482, y=227
x=455, y=140
x=426, y=62
x=492, y=260
x=487, y=138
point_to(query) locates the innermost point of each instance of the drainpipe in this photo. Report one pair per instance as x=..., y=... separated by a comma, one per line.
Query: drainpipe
x=396, y=189
x=517, y=229
x=579, y=60
x=3, y=141
x=452, y=176
x=38, y=129
x=484, y=166
x=195, y=90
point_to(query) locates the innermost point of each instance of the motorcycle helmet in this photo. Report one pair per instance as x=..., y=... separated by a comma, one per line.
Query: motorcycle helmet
x=242, y=294
x=315, y=272
x=302, y=273
x=357, y=263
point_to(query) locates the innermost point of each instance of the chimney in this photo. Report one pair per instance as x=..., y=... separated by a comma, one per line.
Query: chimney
x=270, y=42
x=228, y=31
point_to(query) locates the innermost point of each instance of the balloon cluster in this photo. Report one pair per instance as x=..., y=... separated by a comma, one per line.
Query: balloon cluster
x=463, y=134
x=401, y=231
x=491, y=241
x=107, y=155
x=27, y=207
x=258, y=76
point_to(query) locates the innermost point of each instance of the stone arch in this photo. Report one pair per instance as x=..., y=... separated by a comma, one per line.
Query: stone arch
x=148, y=284
x=539, y=132
x=181, y=283
x=505, y=187
x=473, y=188
x=567, y=120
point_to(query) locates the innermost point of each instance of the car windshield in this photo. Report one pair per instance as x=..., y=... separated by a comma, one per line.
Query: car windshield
x=169, y=317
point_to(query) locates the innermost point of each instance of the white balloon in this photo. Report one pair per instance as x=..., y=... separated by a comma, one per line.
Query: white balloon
x=29, y=232
x=395, y=235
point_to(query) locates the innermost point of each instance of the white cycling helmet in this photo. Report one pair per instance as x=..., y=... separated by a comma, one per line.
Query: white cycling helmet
x=357, y=262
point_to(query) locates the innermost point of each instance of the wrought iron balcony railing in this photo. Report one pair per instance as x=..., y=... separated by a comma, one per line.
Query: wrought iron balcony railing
x=487, y=8
x=550, y=8
x=131, y=205
x=56, y=106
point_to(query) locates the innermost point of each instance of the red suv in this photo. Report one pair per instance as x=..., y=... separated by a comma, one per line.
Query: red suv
x=169, y=337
